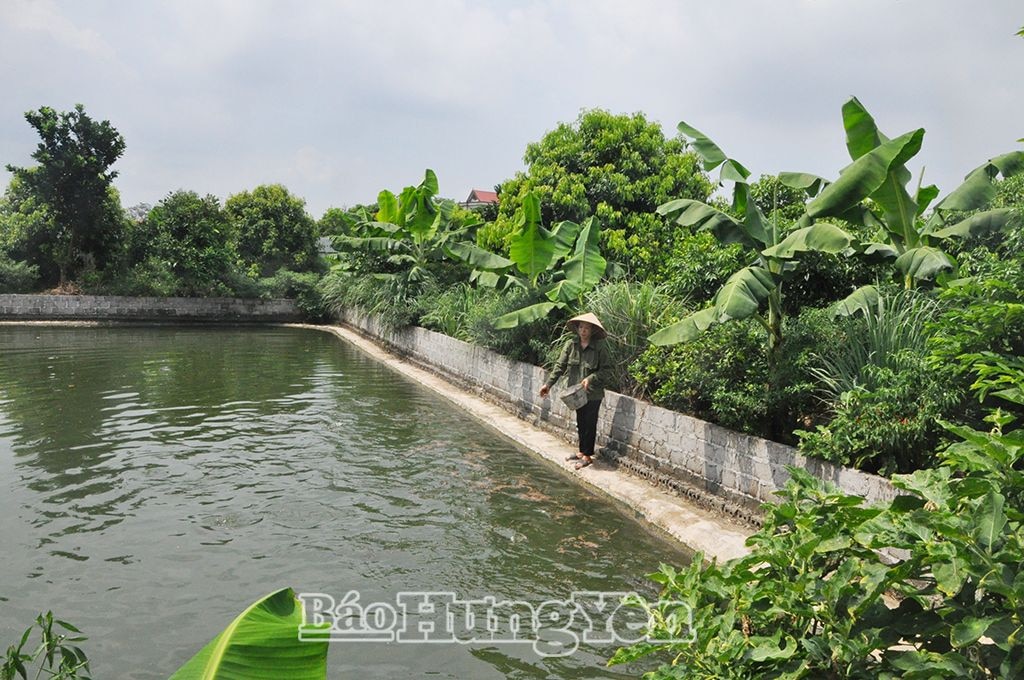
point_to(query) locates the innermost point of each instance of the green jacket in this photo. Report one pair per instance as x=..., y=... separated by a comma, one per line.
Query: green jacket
x=576, y=363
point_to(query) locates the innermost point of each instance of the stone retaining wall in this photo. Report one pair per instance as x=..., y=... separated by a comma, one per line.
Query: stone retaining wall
x=113, y=308
x=713, y=466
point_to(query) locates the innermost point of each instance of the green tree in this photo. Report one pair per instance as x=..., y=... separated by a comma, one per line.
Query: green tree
x=193, y=237
x=274, y=230
x=617, y=168
x=28, y=231
x=73, y=180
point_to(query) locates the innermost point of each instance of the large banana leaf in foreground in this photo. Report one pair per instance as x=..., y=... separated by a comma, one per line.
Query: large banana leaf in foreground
x=262, y=642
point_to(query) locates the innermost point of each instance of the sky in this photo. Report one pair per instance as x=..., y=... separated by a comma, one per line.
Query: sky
x=339, y=99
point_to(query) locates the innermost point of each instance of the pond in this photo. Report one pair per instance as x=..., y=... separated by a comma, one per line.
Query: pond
x=155, y=481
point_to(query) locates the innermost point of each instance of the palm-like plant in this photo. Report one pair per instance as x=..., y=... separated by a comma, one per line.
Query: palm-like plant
x=757, y=289
x=561, y=264
x=872, y=192
x=406, y=239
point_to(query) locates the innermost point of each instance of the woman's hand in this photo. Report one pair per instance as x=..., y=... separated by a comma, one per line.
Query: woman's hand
x=586, y=384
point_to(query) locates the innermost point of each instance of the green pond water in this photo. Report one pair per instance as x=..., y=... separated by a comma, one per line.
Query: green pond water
x=155, y=481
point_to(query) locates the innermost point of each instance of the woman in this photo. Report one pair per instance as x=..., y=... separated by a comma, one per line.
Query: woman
x=584, y=360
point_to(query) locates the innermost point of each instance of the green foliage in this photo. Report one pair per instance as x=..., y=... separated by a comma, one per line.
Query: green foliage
x=401, y=253
x=889, y=426
x=152, y=277
x=17, y=277
x=274, y=230
x=756, y=290
x=817, y=599
x=263, y=641
x=561, y=264
x=73, y=180
x=616, y=168
x=725, y=377
x=698, y=266
x=872, y=191
x=338, y=222
x=303, y=287
x=55, y=654
x=881, y=338
x=630, y=311
x=884, y=395
x=27, y=230
x=194, y=239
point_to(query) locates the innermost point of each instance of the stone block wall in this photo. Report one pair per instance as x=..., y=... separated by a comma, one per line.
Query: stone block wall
x=114, y=308
x=713, y=466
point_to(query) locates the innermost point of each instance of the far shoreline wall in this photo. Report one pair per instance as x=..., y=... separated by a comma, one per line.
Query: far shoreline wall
x=715, y=467
x=147, y=309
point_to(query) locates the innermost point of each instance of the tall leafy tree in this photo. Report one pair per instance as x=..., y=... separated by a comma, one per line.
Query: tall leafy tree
x=74, y=180
x=193, y=237
x=616, y=168
x=274, y=230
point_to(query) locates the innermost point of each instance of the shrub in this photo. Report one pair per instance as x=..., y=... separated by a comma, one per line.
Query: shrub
x=808, y=601
x=724, y=376
x=151, y=277
x=303, y=287
x=17, y=277
x=889, y=427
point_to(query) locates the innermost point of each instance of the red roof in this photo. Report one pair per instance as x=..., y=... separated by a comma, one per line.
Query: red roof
x=482, y=196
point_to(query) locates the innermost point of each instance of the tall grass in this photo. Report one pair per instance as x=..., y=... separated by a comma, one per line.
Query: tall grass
x=887, y=337
x=630, y=311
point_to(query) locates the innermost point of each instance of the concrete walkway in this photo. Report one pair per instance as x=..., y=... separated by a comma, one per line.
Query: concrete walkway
x=697, y=529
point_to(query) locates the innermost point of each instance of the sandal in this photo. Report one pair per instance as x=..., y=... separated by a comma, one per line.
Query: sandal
x=584, y=462
x=575, y=456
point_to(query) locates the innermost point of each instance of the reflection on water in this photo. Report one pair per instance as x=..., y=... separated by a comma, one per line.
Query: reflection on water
x=155, y=481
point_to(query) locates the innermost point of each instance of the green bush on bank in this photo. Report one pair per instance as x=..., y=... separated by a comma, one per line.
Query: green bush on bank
x=17, y=277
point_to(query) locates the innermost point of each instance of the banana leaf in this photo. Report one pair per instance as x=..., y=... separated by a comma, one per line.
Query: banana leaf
x=862, y=134
x=821, y=238
x=713, y=156
x=811, y=184
x=708, y=151
x=422, y=216
x=743, y=293
x=864, y=176
x=525, y=315
x=864, y=299
x=924, y=263
x=262, y=642
x=726, y=228
x=531, y=248
x=980, y=223
x=477, y=257
x=586, y=267
x=377, y=244
x=978, y=188
x=387, y=208
x=563, y=236
x=686, y=330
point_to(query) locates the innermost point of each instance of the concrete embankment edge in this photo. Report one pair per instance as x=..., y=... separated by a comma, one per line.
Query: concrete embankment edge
x=694, y=527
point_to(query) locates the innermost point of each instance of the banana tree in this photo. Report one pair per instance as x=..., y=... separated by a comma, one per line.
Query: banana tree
x=561, y=264
x=406, y=238
x=755, y=291
x=872, y=192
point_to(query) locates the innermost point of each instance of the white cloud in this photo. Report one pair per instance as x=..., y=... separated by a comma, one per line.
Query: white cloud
x=44, y=16
x=341, y=99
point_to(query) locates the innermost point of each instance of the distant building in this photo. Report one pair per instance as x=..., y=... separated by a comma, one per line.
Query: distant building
x=478, y=198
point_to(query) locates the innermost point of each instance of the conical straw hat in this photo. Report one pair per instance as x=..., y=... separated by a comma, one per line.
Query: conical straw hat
x=592, y=319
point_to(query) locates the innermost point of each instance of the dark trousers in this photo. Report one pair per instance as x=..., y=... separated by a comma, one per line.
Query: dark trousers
x=586, y=426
